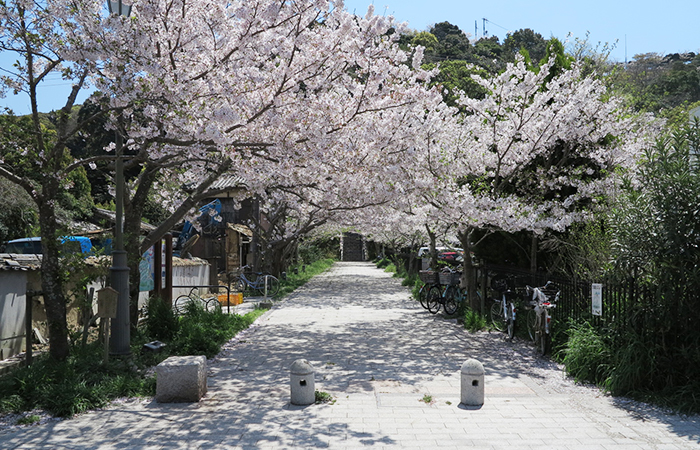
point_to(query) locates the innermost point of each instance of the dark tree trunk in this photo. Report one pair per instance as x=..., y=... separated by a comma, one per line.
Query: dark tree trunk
x=469, y=271
x=533, y=254
x=433, y=251
x=52, y=284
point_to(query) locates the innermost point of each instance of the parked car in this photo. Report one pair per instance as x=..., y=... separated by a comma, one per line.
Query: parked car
x=32, y=245
x=448, y=254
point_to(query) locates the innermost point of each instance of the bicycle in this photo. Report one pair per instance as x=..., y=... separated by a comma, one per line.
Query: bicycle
x=449, y=297
x=429, y=280
x=539, y=318
x=265, y=283
x=181, y=304
x=503, y=311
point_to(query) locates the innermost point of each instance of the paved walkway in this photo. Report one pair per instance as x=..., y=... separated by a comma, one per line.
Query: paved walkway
x=378, y=353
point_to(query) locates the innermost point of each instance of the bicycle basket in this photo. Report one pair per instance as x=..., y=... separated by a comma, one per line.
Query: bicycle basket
x=428, y=276
x=450, y=278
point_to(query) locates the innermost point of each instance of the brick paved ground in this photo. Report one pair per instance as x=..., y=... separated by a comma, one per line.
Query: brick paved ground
x=378, y=353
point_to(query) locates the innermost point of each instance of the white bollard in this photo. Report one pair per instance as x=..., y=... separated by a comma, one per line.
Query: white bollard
x=472, y=383
x=301, y=377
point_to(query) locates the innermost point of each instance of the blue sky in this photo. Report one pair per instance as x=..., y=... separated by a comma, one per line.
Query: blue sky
x=670, y=26
x=643, y=26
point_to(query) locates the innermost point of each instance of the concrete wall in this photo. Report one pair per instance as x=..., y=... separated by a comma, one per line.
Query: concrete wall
x=13, y=301
x=188, y=272
x=14, y=284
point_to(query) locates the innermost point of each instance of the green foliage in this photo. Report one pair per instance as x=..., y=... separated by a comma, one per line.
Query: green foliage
x=652, y=82
x=588, y=355
x=18, y=212
x=69, y=387
x=202, y=332
x=28, y=420
x=322, y=397
x=452, y=42
x=320, y=248
x=384, y=263
x=296, y=277
x=653, y=349
x=456, y=77
x=525, y=39
x=427, y=40
x=161, y=322
x=473, y=321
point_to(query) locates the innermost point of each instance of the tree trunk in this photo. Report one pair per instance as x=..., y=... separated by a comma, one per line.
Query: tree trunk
x=469, y=272
x=52, y=283
x=433, y=252
x=533, y=254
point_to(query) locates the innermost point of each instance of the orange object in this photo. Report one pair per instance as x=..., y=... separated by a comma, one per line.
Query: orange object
x=233, y=299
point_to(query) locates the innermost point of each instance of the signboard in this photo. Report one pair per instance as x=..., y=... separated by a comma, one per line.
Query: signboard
x=597, y=299
x=146, y=270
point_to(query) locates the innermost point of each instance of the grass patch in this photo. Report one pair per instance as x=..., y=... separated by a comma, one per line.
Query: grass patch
x=83, y=382
x=427, y=399
x=297, y=278
x=587, y=355
x=323, y=397
x=28, y=420
x=473, y=321
x=69, y=387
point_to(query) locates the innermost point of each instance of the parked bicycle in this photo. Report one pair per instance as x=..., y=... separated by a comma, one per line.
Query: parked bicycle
x=503, y=310
x=266, y=284
x=542, y=300
x=429, y=279
x=210, y=303
x=447, y=294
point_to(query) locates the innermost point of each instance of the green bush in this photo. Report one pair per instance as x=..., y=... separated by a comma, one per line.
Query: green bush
x=80, y=383
x=383, y=263
x=161, y=321
x=473, y=321
x=587, y=355
x=202, y=332
x=298, y=279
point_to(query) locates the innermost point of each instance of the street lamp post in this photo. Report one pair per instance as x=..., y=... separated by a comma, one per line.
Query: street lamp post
x=119, y=272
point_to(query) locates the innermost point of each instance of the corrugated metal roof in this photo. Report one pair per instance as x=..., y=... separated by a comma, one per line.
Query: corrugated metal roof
x=11, y=261
x=228, y=182
x=112, y=217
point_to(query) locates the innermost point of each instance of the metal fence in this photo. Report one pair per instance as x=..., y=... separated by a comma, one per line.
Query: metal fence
x=575, y=300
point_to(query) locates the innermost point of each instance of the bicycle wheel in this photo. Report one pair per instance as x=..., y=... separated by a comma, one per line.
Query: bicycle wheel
x=212, y=304
x=531, y=321
x=423, y=295
x=239, y=285
x=510, y=326
x=497, y=317
x=273, y=285
x=451, y=303
x=434, y=298
x=180, y=304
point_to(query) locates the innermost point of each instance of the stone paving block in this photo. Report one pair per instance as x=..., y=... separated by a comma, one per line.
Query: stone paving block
x=410, y=352
x=181, y=379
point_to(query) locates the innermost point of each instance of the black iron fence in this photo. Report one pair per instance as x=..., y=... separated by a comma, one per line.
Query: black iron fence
x=617, y=300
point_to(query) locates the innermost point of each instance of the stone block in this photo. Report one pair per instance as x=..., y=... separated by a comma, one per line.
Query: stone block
x=181, y=379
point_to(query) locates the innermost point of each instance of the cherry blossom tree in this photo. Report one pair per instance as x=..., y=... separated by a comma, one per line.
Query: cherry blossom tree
x=38, y=160
x=532, y=155
x=197, y=88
